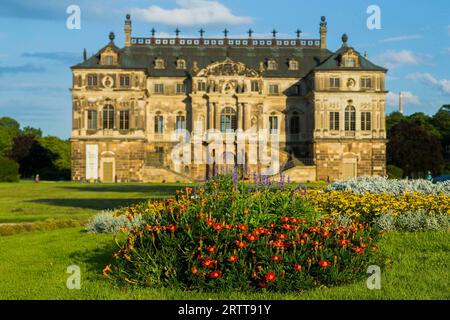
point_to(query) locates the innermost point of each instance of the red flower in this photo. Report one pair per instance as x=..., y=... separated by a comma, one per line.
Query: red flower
x=215, y=274
x=217, y=226
x=324, y=264
x=298, y=267
x=305, y=235
x=286, y=226
x=284, y=219
x=209, y=263
x=277, y=258
x=278, y=243
x=325, y=234
x=210, y=222
x=171, y=228
x=232, y=259
x=272, y=225
x=270, y=277
x=200, y=257
x=194, y=270
x=241, y=244
x=251, y=237
x=211, y=249
x=282, y=236
x=294, y=220
x=262, y=284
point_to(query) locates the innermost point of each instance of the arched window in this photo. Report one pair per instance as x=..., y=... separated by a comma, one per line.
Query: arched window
x=350, y=118
x=159, y=123
x=228, y=120
x=295, y=123
x=180, y=123
x=108, y=117
x=273, y=123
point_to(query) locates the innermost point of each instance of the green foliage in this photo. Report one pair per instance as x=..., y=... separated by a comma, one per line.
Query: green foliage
x=223, y=236
x=62, y=150
x=414, y=149
x=9, y=128
x=9, y=170
x=394, y=172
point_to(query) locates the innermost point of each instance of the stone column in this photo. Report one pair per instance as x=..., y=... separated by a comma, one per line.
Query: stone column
x=216, y=116
x=239, y=115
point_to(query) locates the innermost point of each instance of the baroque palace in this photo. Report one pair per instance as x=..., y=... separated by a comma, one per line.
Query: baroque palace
x=326, y=109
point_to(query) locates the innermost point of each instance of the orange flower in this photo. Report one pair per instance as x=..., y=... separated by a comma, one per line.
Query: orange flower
x=272, y=225
x=106, y=270
x=251, y=237
x=233, y=259
x=209, y=263
x=305, y=235
x=344, y=242
x=194, y=270
x=282, y=236
x=298, y=267
x=215, y=274
x=262, y=284
x=148, y=227
x=171, y=228
x=270, y=277
x=325, y=234
x=217, y=226
x=211, y=249
x=324, y=264
x=241, y=244
x=243, y=227
x=246, y=211
x=358, y=250
x=277, y=258
x=284, y=219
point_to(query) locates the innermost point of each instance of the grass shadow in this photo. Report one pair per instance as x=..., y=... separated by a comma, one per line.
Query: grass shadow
x=127, y=188
x=94, y=203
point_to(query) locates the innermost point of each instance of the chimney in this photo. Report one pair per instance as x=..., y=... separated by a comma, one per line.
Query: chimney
x=127, y=30
x=400, y=102
x=323, y=33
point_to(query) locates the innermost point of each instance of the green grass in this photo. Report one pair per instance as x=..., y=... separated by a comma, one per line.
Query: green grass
x=27, y=201
x=33, y=266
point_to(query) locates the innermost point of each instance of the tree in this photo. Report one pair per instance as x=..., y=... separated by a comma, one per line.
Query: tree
x=9, y=128
x=30, y=155
x=32, y=131
x=393, y=119
x=62, y=151
x=412, y=148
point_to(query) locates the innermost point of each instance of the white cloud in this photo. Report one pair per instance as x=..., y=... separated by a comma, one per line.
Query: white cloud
x=191, y=13
x=401, y=38
x=394, y=59
x=392, y=99
x=441, y=84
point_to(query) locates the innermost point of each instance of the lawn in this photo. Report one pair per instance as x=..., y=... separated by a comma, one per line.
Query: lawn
x=27, y=201
x=33, y=266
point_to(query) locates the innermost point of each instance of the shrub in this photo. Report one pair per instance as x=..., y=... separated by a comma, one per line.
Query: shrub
x=394, y=172
x=223, y=236
x=107, y=221
x=377, y=185
x=9, y=170
x=413, y=221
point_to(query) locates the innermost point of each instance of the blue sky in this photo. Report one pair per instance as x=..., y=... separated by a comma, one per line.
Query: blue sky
x=37, y=49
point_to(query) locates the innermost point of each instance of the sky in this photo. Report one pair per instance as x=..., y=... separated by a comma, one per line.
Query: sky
x=37, y=48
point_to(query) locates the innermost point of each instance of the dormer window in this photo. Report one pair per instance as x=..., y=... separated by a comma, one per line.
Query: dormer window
x=108, y=60
x=349, y=59
x=271, y=65
x=181, y=64
x=293, y=64
x=108, y=57
x=159, y=63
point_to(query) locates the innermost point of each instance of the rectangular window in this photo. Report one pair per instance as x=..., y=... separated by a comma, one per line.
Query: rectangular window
x=125, y=81
x=92, y=119
x=108, y=60
x=181, y=88
x=201, y=86
x=334, y=121
x=273, y=124
x=273, y=89
x=92, y=80
x=159, y=88
x=335, y=83
x=255, y=86
x=366, y=83
x=124, y=120
x=366, y=120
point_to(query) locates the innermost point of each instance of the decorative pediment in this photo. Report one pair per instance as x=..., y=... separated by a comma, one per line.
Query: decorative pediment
x=227, y=68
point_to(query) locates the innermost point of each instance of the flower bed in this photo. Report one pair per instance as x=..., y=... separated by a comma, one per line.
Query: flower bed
x=226, y=237
x=367, y=206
